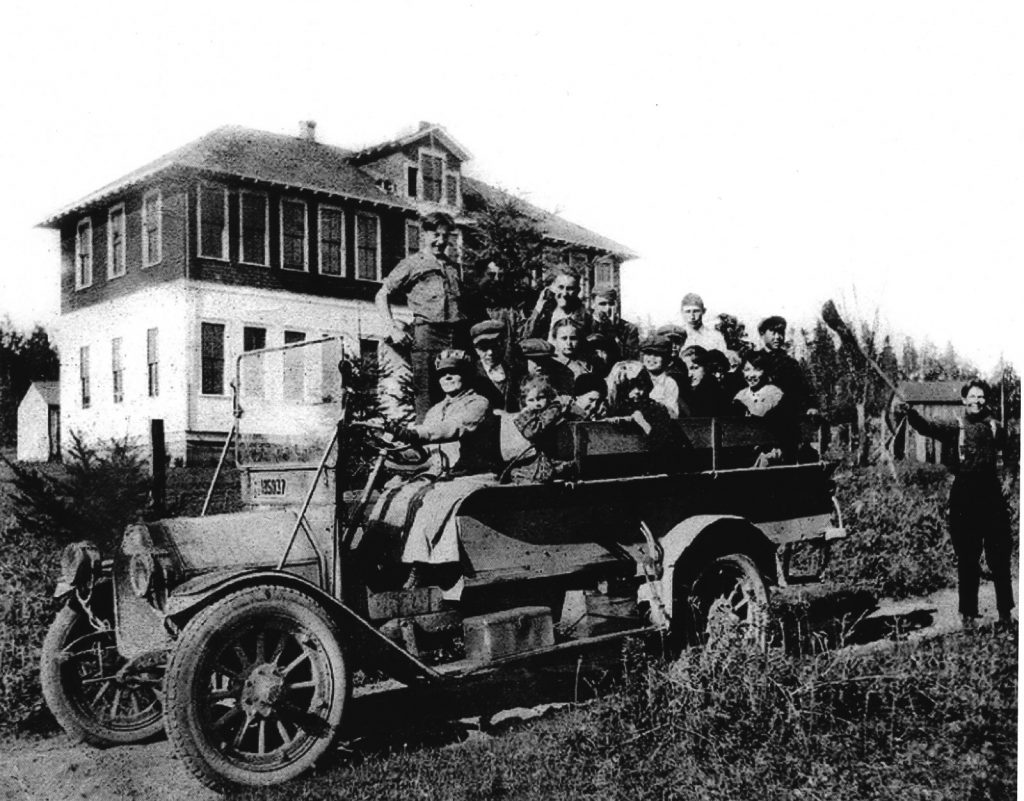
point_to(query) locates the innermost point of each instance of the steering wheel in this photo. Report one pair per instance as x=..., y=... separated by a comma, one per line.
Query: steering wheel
x=400, y=457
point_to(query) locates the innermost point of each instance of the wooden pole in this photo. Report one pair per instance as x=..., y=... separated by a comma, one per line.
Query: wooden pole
x=158, y=466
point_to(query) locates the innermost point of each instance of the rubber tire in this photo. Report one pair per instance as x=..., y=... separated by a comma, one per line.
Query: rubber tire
x=696, y=629
x=68, y=625
x=216, y=621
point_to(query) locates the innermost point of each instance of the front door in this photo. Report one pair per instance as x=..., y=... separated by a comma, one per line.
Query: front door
x=53, y=428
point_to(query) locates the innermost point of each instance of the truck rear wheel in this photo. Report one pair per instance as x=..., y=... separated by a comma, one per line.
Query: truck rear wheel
x=728, y=601
x=87, y=691
x=256, y=688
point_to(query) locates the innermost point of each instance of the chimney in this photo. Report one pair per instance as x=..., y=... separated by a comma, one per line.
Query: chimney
x=307, y=130
x=424, y=125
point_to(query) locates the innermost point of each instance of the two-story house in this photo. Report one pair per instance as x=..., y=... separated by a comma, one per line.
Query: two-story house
x=243, y=240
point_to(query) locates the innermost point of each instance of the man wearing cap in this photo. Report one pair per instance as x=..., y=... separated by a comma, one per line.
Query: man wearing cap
x=560, y=299
x=604, y=310
x=540, y=360
x=655, y=353
x=676, y=366
x=454, y=422
x=433, y=292
x=783, y=370
x=696, y=332
x=493, y=377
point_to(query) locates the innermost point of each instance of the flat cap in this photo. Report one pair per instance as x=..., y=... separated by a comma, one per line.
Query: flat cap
x=488, y=329
x=671, y=331
x=536, y=348
x=692, y=299
x=662, y=346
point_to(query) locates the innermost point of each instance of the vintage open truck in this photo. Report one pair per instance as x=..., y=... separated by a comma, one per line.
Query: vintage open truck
x=239, y=633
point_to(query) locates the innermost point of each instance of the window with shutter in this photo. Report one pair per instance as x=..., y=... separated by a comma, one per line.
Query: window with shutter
x=451, y=190
x=116, y=369
x=83, y=376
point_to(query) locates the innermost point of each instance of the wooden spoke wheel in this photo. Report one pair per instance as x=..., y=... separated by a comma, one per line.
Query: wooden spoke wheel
x=256, y=688
x=92, y=691
x=729, y=601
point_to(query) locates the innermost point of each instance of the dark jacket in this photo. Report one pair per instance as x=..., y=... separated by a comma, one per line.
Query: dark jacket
x=973, y=442
x=786, y=373
x=505, y=398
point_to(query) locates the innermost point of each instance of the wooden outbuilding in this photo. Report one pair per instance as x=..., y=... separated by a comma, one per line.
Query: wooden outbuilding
x=933, y=400
x=39, y=423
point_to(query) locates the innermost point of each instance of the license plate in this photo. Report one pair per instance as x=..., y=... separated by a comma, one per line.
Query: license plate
x=270, y=487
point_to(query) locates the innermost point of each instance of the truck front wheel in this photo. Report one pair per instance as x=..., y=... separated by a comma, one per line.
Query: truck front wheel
x=88, y=688
x=728, y=601
x=256, y=688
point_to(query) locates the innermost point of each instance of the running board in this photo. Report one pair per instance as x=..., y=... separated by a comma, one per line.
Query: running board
x=465, y=667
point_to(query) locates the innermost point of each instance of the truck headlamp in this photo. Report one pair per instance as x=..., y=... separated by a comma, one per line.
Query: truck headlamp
x=141, y=570
x=79, y=563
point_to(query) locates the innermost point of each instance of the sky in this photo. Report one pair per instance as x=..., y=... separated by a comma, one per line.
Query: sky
x=766, y=155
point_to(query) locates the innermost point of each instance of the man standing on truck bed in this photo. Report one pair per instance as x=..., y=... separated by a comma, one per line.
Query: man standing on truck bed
x=433, y=291
x=977, y=512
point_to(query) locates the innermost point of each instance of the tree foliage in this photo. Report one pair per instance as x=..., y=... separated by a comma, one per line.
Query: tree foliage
x=24, y=358
x=504, y=232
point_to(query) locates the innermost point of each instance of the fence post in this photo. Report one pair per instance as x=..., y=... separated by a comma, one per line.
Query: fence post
x=158, y=465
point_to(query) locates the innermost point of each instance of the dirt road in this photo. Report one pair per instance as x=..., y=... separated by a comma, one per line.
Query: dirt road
x=56, y=770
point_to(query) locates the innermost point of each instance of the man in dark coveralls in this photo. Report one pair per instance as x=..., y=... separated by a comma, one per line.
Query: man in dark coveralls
x=977, y=513
x=433, y=291
x=783, y=370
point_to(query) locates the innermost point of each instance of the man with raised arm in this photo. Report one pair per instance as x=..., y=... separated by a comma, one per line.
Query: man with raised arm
x=433, y=290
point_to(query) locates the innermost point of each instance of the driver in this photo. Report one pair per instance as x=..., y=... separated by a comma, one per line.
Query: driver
x=454, y=425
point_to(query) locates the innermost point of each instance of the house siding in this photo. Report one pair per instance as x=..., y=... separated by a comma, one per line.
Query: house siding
x=170, y=268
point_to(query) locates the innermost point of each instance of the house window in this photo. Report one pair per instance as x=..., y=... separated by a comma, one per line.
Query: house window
x=332, y=241
x=294, y=383
x=604, y=272
x=212, y=358
x=367, y=247
x=152, y=363
x=451, y=189
x=368, y=350
x=115, y=241
x=253, y=338
x=152, y=228
x=293, y=234
x=116, y=369
x=213, y=222
x=412, y=177
x=255, y=225
x=412, y=237
x=83, y=254
x=83, y=375
x=433, y=173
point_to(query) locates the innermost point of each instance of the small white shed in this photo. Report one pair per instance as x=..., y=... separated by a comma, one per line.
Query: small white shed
x=39, y=423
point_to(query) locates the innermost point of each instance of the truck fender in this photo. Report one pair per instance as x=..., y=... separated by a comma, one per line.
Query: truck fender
x=373, y=649
x=691, y=543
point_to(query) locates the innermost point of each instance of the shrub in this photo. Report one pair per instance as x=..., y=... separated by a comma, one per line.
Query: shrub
x=101, y=491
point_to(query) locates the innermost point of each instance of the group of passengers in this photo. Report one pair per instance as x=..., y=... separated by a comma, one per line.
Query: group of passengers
x=563, y=359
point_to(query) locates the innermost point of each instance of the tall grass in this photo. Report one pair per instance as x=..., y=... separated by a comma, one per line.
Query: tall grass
x=933, y=721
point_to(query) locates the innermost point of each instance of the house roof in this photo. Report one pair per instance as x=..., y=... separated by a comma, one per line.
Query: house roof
x=551, y=225
x=49, y=390
x=426, y=130
x=298, y=163
x=288, y=161
x=931, y=391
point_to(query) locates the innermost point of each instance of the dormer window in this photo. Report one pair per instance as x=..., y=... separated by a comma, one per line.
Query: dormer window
x=213, y=222
x=433, y=176
x=294, y=255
